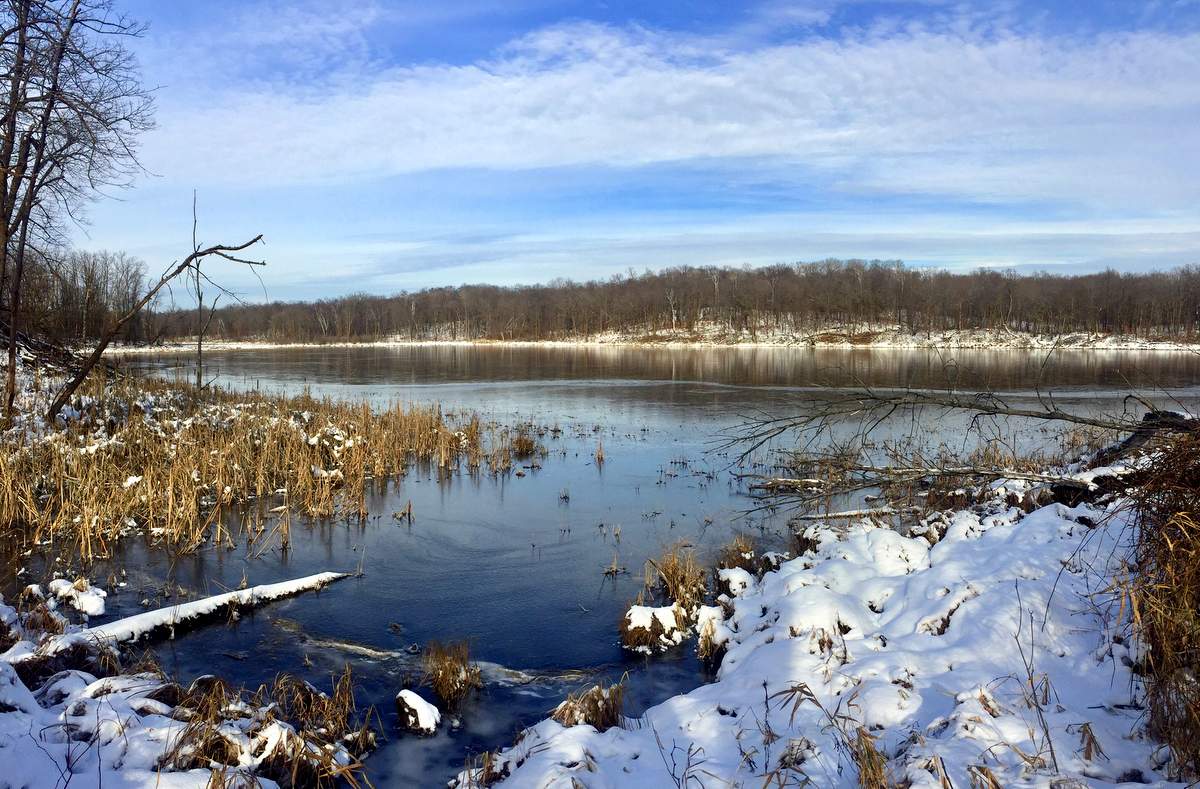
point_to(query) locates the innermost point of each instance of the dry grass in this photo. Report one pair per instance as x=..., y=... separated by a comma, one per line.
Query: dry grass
x=150, y=456
x=294, y=730
x=599, y=706
x=854, y=743
x=450, y=672
x=523, y=445
x=738, y=552
x=871, y=763
x=1164, y=598
x=678, y=577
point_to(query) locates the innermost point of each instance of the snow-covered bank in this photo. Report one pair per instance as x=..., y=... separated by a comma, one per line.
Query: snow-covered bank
x=716, y=336
x=991, y=654
x=65, y=719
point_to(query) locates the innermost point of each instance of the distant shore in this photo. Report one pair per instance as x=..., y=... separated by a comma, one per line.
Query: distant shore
x=879, y=339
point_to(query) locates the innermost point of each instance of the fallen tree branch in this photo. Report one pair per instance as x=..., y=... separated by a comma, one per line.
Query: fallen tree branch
x=850, y=514
x=133, y=628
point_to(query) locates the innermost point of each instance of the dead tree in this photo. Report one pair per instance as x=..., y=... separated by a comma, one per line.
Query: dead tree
x=72, y=109
x=193, y=260
x=821, y=467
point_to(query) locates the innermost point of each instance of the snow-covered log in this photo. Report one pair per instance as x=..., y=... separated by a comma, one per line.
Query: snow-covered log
x=132, y=628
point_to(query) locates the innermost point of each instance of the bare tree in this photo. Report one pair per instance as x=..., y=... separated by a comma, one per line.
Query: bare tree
x=191, y=261
x=73, y=108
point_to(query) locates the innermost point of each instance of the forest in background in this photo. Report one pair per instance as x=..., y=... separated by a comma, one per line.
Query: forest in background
x=80, y=293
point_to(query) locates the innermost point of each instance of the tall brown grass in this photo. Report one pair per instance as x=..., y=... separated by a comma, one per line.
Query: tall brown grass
x=678, y=577
x=158, y=457
x=599, y=706
x=1164, y=598
x=450, y=672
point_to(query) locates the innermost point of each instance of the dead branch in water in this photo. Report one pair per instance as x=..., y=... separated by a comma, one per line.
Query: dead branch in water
x=873, y=407
x=824, y=467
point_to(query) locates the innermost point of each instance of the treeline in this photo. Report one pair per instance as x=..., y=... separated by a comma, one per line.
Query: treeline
x=783, y=298
x=74, y=297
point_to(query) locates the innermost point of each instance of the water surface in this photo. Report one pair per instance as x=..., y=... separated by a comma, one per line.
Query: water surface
x=515, y=564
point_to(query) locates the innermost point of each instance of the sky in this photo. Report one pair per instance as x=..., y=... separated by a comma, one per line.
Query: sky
x=389, y=145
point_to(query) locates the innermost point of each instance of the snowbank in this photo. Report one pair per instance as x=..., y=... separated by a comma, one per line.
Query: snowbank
x=984, y=649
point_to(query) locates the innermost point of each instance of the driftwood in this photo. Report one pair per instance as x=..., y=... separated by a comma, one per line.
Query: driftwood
x=1153, y=423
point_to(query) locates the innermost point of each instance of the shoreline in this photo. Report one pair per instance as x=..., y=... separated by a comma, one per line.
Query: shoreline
x=966, y=340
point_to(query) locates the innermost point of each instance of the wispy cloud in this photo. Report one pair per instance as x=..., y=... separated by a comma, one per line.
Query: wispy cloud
x=999, y=135
x=979, y=113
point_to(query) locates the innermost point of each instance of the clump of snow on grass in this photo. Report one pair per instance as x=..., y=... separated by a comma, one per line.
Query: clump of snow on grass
x=417, y=714
x=650, y=629
x=84, y=597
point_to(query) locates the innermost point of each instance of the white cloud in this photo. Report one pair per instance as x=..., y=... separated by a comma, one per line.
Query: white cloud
x=975, y=114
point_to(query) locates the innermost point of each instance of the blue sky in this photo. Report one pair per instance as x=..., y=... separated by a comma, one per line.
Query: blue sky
x=383, y=146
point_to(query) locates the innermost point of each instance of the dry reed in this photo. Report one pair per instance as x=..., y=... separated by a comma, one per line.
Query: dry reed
x=1164, y=598
x=151, y=456
x=450, y=672
x=599, y=706
x=677, y=576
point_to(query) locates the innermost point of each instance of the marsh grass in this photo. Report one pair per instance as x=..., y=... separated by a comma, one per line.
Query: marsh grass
x=450, y=672
x=149, y=456
x=296, y=734
x=600, y=706
x=523, y=445
x=678, y=577
x=738, y=552
x=1163, y=595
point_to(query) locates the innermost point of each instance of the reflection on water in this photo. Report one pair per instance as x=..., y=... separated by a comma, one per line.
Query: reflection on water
x=506, y=562
x=666, y=383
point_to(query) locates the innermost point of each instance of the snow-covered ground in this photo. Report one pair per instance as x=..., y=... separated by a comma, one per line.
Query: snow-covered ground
x=991, y=654
x=63, y=725
x=719, y=335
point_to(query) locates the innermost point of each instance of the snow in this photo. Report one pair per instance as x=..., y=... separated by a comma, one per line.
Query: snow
x=947, y=651
x=82, y=595
x=420, y=715
x=132, y=628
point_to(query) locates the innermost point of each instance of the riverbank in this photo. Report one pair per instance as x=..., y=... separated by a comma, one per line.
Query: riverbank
x=722, y=337
x=990, y=647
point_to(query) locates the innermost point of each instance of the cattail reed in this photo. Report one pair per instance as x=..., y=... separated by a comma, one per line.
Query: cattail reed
x=146, y=456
